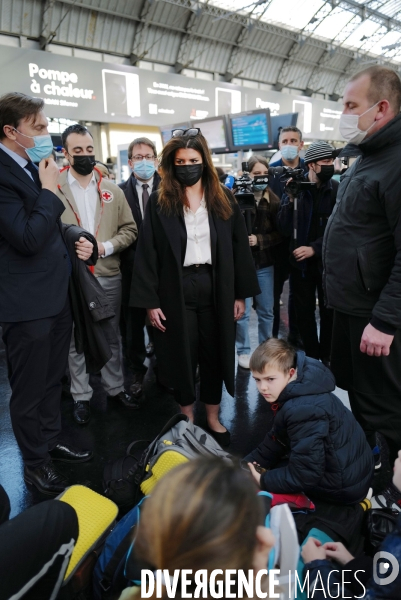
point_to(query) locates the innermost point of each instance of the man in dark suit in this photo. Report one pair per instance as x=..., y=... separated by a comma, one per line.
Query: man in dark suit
x=144, y=179
x=35, y=313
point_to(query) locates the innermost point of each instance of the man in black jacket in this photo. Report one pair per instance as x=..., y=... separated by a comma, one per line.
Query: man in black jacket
x=314, y=209
x=35, y=313
x=362, y=257
x=144, y=179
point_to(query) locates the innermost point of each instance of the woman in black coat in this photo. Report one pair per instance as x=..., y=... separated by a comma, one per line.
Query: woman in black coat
x=193, y=271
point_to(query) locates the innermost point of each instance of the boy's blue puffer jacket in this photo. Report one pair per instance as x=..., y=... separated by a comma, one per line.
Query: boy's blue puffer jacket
x=329, y=457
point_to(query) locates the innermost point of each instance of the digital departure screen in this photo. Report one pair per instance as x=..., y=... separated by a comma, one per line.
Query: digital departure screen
x=249, y=131
x=214, y=132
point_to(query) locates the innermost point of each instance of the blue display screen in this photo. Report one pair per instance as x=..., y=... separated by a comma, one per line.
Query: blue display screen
x=250, y=130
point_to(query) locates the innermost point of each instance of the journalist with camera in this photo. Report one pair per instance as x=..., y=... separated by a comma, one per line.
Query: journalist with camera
x=314, y=197
x=260, y=207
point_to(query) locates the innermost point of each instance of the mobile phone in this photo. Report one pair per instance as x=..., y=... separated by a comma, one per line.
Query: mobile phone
x=258, y=468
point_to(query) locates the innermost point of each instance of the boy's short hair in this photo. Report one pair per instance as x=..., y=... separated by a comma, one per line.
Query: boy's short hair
x=276, y=352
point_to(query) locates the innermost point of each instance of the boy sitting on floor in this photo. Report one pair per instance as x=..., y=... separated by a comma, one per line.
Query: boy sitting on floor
x=327, y=454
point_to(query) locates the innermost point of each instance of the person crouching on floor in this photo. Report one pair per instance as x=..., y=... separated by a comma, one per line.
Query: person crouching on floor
x=315, y=446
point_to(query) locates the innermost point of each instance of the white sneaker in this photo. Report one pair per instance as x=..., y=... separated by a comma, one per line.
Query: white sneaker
x=390, y=498
x=243, y=361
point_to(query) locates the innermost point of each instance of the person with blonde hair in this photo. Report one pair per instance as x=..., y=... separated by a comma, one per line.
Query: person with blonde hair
x=315, y=445
x=203, y=515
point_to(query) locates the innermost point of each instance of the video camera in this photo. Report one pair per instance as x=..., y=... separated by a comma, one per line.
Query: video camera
x=297, y=176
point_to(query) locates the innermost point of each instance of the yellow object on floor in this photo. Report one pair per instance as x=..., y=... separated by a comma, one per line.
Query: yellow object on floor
x=166, y=461
x=96, y=515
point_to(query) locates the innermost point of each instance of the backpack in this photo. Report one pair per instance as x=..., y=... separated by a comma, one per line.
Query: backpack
x=118, y=477
x=109, y=574
x=179, y=441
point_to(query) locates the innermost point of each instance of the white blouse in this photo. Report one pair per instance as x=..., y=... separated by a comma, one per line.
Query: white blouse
x=199, y=250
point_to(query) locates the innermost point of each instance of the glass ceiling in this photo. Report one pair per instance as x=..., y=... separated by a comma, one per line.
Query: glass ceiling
x=338, y=21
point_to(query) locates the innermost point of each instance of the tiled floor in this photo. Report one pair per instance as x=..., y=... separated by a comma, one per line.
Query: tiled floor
x=112, y=428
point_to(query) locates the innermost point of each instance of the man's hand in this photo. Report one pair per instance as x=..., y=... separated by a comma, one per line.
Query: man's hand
x=374, y=342
x=303, y=252
x=83, y=248
x=49, y=174
x=397, y=472
x=253, y=240
x=100, y=249
x=239, y=309
x=338, y=552
x=155, y=315
x=255, y=474
x=313, y=550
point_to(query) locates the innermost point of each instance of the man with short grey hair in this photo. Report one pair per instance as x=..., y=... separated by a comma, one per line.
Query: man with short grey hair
x=362, y=258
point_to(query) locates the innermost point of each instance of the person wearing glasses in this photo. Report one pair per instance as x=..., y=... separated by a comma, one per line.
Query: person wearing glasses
x=193, y=271
x=144, y=179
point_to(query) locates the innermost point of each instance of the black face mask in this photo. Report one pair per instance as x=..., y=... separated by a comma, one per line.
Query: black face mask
x=326, y=173
x=83, y=165
x=188, y=174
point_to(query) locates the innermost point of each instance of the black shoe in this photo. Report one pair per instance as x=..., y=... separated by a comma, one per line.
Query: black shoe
x=127, y=400
x=136, y=387
x=81, y=412
x=222, y=438
x=64, y=453
x=150, y=349
x=46, y=479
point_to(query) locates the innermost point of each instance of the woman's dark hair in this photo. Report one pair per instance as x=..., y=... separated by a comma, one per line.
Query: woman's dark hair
x=172, y=193
x=255, y=159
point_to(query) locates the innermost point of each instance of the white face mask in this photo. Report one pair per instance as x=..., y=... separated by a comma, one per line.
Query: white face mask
x=349, y=127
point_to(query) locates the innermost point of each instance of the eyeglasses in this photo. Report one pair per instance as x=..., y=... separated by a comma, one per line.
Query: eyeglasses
x=192, y=132
x=140, y=157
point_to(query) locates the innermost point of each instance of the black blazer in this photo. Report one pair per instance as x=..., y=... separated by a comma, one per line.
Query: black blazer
x=157, y=283
x=91, y=308
x=34, y=270
x=128, y=255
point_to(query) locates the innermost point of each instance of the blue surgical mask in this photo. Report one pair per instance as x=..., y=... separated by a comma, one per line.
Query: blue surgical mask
x=259, y=187
x=145, y=169
x=289, y=152
x=42, y=149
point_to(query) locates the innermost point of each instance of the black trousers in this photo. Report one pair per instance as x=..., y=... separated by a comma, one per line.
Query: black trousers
x=304, y=286
x=373, y=383
x=202, y=325
x=132, y=323
x=35, y=548
x=37, y=354
x=4, y=506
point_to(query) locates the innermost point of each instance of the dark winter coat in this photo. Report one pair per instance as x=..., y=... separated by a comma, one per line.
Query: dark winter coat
x=329, y=457
x=307, y=215
x=127, y=256
x=90, y=306
x=264, y=226
x=374, y=590
x=157, y=283
x=362, y=243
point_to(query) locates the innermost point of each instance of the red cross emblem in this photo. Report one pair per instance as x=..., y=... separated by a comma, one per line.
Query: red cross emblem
x=107, y=196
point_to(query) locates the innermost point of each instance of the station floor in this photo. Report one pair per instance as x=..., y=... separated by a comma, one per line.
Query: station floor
x=112, y=427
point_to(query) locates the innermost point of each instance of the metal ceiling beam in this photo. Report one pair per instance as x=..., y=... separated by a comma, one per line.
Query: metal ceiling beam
x=239, y=44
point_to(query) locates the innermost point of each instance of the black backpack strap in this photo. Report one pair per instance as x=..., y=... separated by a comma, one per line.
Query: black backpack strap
x=196, y=445
x=106, y=583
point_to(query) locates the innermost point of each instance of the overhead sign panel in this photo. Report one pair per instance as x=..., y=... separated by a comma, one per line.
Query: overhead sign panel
x=76, y=88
